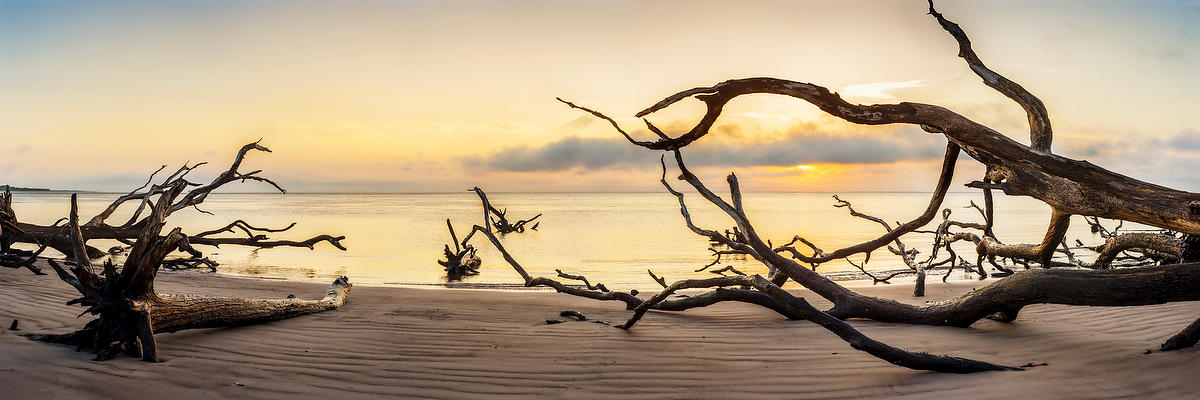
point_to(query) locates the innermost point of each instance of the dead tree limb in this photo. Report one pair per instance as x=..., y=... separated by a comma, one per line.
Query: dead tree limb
x=1041, y=252
x=1115, y=245
x=23, y=259
x=493, y=217
x=767, y=295
x=10, y=257
x=801, y=309
x=148, y=197
x=129, y=311
x=1184, y=339
x=176, y=264
x=1040, y=134
x=1069, y=187
x=729, y=269
x=460, y=263
x=581, y=278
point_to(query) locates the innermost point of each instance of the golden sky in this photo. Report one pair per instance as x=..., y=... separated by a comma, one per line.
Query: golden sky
x=420, y=96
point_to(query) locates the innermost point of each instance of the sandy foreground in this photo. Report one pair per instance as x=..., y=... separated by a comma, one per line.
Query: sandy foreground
x=471, y=344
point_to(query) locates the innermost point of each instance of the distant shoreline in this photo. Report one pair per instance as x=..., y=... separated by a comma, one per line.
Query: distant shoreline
x=24, y=189
x=16, y=189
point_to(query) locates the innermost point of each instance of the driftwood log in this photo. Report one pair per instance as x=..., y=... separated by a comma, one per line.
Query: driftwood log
x=129, y=311
x=495, y=219
x=1069, y=187
x=145, y=198
x=462, y=261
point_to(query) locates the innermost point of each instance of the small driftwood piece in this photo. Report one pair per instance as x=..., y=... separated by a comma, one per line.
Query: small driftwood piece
x=460, y=262
x=497, y=219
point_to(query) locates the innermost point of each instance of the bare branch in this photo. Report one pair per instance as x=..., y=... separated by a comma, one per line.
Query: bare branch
x=1040, y=134
x=245, y=227
x=661, y=281
x=1114, y=245
x=503, y=226
x=1041, y=252
x=133, y=194
x=311, y=243
x=598, y=286
x=1069, y=186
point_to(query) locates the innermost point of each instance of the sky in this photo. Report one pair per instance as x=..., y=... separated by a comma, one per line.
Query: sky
x=434, y=96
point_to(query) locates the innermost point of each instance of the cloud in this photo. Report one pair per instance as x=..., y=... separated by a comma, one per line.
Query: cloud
x=1187, y=140
x=876, y=90
x=797, y=146
x=1166, y=161
x=825, y=148
x=567, y=153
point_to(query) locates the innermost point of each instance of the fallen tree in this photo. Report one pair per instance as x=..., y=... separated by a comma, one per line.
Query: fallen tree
x=146, y=197
x=129, y=311
x=1069, y=187
x=462, y=261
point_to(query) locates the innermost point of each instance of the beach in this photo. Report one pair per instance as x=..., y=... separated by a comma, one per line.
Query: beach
x=474, y=343
x=380, y=199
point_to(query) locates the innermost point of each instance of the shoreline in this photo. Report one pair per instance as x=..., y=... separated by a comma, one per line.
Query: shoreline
x=846, y=278
x=413, y=343
x=850, y=278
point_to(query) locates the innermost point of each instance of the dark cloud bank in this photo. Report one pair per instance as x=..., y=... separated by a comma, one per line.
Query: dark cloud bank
x=792, y=149
x=1169, y=161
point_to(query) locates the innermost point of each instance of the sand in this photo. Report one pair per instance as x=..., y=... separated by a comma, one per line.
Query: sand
x=474, y=344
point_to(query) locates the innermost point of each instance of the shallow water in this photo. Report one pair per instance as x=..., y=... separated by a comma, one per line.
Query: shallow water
x=609, y=237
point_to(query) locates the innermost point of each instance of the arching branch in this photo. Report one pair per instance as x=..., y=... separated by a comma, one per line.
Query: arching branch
x=1040, y=134
x=1042, y=252
x=1069, y=186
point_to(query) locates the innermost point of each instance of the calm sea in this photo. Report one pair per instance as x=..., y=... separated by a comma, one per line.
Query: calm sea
x=609, y=237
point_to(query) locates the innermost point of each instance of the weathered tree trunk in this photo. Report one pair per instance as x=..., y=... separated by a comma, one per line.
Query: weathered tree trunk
x=129, y=310
x=8, y=219
x=919, y=285
x=462, y=262
x=1121, y=287
x=1184, y=339
x=10, y=257
x=172, y=313
x=166, y=313
x=54, y=236
x=765, y=293
x=1069, y=187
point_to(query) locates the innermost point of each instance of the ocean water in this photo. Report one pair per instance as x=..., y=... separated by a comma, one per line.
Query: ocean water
x=612, y=238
